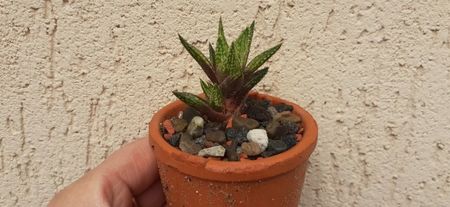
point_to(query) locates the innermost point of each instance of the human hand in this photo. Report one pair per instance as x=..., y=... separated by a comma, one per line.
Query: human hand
x=129, y=177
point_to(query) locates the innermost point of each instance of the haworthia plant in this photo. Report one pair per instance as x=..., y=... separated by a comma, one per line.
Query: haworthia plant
x=230, y=76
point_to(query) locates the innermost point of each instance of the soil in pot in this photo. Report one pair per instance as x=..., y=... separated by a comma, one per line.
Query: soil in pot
x=263, y=129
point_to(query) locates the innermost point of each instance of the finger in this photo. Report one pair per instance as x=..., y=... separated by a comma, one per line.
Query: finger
x=153, y=196
x=134, y=165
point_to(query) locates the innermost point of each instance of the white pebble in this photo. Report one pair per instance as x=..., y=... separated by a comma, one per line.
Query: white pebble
x=216, y=151
x=258, y=136
x=195, y=128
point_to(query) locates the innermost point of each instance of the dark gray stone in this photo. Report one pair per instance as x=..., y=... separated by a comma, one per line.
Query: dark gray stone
x=200, y=140
x=231, y=152
x=258, y=113
x=188, y=145
x=290, y=140
x=277, y=146
x=268, y=153
x=290, y=127
x=283, y=107
x=237, y=134
x=174, y=140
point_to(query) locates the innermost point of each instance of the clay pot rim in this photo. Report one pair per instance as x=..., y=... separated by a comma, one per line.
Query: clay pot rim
x=244, y=170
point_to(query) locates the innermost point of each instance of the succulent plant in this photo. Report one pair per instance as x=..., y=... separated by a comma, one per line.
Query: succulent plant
x=231, y=76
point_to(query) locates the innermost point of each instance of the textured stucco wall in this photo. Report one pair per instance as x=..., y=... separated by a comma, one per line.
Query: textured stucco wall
x=80, y=78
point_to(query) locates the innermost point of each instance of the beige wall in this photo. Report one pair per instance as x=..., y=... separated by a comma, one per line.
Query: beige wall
x=79, y=78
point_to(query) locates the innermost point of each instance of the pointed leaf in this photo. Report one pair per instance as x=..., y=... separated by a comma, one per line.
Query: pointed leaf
x=232, y=67
x=206, y=88
x=200, y=105
x=200, y=58
x=212, y=57
x=262, y=58
x=255, y=79
x=190, y=99
x=243, y=43
x=221, y=49
x=216, y=99
x=213, y=94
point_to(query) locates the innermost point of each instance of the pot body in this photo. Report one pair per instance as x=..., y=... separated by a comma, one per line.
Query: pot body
x=192, y=181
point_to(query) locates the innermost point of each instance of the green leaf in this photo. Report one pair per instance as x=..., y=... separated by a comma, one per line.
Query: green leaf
x=243, y=43
x=221, y=49
x=200, y=58
x=232, y=67
x=262, y=58
x=213, y=94
x=200, y=105
x=212, y=56
x=255, y=79
x=190, y=99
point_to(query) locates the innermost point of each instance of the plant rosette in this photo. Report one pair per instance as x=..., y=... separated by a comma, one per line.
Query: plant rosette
x=229, y=146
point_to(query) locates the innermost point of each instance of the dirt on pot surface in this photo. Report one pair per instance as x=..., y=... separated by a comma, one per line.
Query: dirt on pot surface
x=262, y=130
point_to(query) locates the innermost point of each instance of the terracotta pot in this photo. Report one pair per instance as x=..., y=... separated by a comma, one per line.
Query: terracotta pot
x=195, y=181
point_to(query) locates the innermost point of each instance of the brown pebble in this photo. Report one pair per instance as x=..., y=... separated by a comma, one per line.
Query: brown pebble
x=287, y=116
x=216, y=136
x=179, y=124
x=247, y=123
x=272, y=129
x=251, y=148
x=167, y=124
